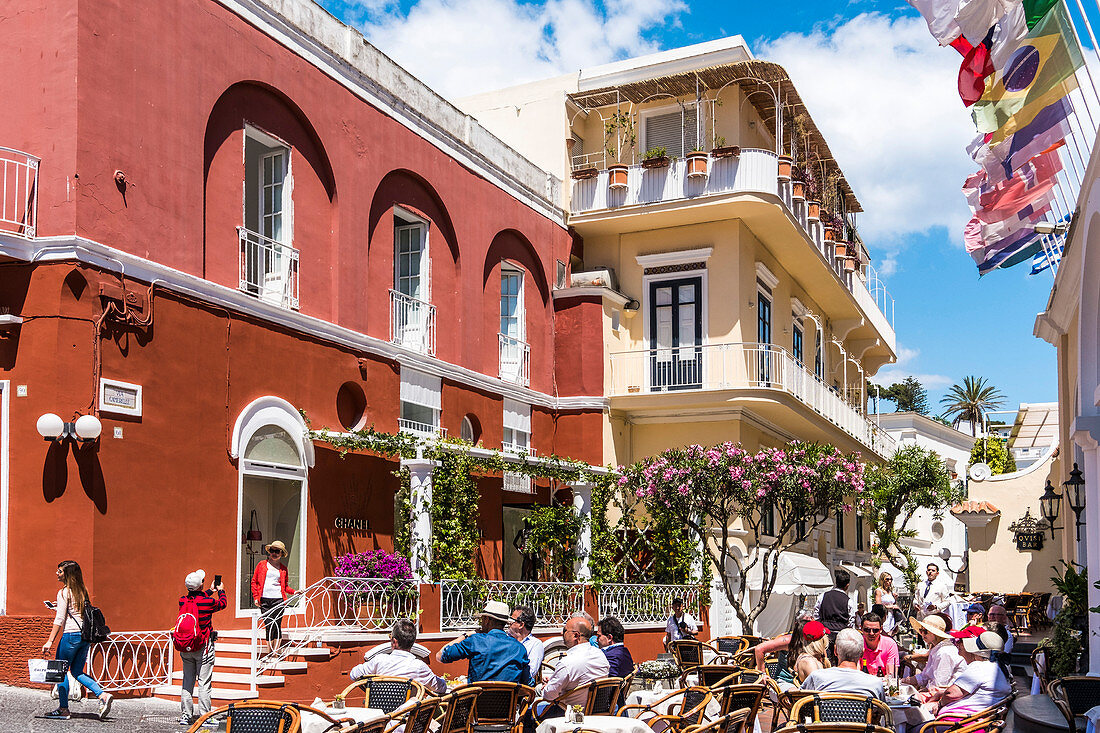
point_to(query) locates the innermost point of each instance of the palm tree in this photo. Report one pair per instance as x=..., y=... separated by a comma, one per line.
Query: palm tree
x=971, y=402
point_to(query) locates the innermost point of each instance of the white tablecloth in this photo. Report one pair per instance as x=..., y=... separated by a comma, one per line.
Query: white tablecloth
x=603, y=723
x=316, y=724
x=909, y=716
x=648, y=697
x=1092, y=715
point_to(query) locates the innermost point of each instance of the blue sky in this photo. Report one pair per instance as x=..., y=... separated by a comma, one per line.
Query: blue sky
x=875, y=82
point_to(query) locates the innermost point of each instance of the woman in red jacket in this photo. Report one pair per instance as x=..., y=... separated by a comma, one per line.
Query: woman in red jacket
x=269, y=590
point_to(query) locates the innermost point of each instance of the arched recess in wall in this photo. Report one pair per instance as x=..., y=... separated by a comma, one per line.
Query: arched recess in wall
x=517, y=299
x=510, y=244
x=284, y=191
x=409, y=190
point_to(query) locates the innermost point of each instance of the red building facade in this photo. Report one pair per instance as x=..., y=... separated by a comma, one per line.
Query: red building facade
x=243, y=211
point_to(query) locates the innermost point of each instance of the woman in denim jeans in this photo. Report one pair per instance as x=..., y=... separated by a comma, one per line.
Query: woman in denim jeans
x=71, y=600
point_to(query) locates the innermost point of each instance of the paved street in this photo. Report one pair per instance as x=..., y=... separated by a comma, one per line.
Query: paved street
x=19, y=708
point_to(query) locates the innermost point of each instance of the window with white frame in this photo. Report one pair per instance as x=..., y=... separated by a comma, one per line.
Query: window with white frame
x=514, y=353
x=517, y=439
x=673, y=129
x=421, y=400
x=796, y=341
x=410, y=256
x=269, y=265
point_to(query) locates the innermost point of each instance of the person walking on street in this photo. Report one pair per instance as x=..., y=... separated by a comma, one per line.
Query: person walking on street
x=198, y=665
x=679, y=624
x=69, y=623
x=270, y=589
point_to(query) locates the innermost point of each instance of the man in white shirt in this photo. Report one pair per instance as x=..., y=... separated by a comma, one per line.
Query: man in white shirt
x=933, y=594
x=523, y=623
x=400, y=661
x=846, y=676
x=582, y=663
x=679, y=617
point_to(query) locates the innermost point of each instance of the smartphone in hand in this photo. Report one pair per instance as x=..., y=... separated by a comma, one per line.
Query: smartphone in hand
x=50, y=605
x=217, y=580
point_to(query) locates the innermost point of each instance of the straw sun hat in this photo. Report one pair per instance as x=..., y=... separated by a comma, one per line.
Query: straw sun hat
x=935, y=625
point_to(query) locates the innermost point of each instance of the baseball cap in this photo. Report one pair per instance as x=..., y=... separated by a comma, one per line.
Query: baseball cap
x=814, y=630
x=970, y=632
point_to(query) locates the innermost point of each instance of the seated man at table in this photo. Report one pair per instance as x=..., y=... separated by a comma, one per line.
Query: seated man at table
x=879, y=652
x=521, y=628
x=611, y=635
x=493, y=655
x=582, y=663
x=983, y=683
x=846, y=676
x=400, y=661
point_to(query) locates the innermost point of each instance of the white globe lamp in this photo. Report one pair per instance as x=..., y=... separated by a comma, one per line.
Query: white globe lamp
x=50, y=426
x=88, y=427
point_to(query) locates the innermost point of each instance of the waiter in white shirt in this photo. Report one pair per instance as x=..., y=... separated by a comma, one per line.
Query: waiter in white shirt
x=679, y=616
x=582, y=663
x=932, y=594
x=400, y=661
x=523, y=623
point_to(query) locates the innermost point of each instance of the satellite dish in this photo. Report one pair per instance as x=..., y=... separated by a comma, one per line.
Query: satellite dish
x=980, y=471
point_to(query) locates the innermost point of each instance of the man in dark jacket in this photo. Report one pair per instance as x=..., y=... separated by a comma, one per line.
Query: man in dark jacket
x=610, y=636
x=835, y=609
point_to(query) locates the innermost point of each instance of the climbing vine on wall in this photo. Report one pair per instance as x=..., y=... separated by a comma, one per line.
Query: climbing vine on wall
x=553, y=530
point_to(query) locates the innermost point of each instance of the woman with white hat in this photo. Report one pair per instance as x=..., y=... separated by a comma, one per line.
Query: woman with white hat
x=944, y=663
x=270, y=589
x=982, y=685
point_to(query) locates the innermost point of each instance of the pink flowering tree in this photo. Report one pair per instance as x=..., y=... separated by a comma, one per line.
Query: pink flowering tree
x=770, y=491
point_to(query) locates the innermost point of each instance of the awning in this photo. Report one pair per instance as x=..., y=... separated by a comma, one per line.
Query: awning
x=795, y=573
x=857, y=572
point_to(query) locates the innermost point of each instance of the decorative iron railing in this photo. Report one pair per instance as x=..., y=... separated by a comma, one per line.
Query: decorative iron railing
x=269, y=269
x=412, y=323
x=646, y=605
x=132, y=660
x=18, y=192
x=461, y=601
x=423, y=429
x=515, y=360
x=334, y=605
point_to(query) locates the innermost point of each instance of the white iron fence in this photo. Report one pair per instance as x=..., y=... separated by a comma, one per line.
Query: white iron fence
x=269, y=269
x=334, y=605
x=461, y=601
x=646, y=605
x=515, y=360
x=19, y=192
x=423, y=429
x=741, y=366
x=132, y=660
x=412, y=323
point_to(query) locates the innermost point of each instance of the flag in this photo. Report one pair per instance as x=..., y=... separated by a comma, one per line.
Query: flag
x=940, y=17
x=1049, y=129
x=1034, y=10
x=992, y=251
x=975, y=18
x=1038, y=73
x=976, y=67
x=1049, y=255
x=1008, y=35
x=1032, y=185
x=1014, y=255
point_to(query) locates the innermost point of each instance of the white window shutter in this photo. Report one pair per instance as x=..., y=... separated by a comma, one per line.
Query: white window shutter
x=672, y=131
x=421, y=389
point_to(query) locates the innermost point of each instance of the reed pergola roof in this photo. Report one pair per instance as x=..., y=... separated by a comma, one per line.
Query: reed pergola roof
x=753, y=77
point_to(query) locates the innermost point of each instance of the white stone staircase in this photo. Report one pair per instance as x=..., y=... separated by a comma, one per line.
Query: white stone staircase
x=233, y=669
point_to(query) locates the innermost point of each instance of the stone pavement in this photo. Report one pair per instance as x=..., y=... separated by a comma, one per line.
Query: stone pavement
x=19, y=707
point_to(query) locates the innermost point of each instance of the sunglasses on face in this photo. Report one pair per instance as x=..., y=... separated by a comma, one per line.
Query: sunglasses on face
x=872, y=632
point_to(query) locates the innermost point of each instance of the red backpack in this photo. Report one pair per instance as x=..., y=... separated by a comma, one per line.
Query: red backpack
x=189, y=636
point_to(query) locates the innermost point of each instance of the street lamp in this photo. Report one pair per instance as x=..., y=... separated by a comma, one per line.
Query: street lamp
x=1049, y=504
x=945, y=555
x=84, y=429
x=1075, y=491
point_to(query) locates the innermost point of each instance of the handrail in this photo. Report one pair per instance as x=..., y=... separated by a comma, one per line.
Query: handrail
x=132, y=660
x=268, y=269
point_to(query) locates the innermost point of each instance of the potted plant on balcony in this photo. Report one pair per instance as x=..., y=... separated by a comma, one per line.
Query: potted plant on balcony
x=721, y=150
x=798, y=185
x=785, y=167
x=619, y=138
x=841, y=249
x=697, y=163
x=583, y=172
x=655, y=158
x=850, y=264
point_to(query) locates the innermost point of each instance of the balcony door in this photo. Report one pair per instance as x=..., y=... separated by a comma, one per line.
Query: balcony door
x=676, y=333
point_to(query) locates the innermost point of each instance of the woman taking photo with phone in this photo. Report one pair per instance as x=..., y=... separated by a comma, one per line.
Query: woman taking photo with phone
x=270, y=589
x=69, y=622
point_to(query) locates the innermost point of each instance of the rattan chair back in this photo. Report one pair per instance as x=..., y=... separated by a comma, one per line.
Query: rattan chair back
x=458, y=716
x=501, y=704
x=713, y=675
x=840, y=707
x=255, y=716
x=386, y=693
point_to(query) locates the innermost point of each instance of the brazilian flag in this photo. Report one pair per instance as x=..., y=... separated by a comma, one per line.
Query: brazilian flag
x=1037, y=74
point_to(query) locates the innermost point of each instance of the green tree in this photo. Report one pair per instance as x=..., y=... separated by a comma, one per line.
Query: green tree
x=995, y=453
x=908, y=395
x=913, y=479
x=970, y=401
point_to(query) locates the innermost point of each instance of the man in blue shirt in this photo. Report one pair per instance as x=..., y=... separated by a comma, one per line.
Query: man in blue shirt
x=493, y=654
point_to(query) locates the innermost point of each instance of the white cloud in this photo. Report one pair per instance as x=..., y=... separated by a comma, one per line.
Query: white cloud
x=903, y=368
x=460, y=47
x=884, y=95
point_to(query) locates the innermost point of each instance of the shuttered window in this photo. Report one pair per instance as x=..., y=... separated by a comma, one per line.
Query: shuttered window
x=675, y=132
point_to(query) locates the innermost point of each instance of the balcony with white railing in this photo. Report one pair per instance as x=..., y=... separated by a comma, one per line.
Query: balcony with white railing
x=412, y=323
x=513, y=481
x=19, y=191
x=421, y=429
x=646, y=605
x=269, y=269
x=515, y=360
x=753, y=171
x=461, y=601
x=740, y=366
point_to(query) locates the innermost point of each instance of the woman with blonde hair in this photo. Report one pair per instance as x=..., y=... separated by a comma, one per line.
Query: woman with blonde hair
x=69, y=622
x=812, y=653
x=885, y=596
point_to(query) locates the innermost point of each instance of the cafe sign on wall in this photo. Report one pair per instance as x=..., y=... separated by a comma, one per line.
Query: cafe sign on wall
x=1028, y=532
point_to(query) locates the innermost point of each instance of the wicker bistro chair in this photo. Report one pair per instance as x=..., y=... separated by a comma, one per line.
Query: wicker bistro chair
x=738, y=722
x=730, y=645
x=793, y=727
x=458, y=715
x=840, y=707
x=1021, y=614
x=500, y=707
x=415, y=718
x=714, y=675
x=255, y=716
x=1040, y=669
x=1074, y=696
x=601, y=698
x=692, y=710
x=741, y=698
x=991, y=715
x=386, y=693
x=689, y=654
x=378, y=725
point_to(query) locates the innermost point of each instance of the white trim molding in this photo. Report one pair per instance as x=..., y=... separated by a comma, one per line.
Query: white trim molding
x=678, y=257
x=767, y=277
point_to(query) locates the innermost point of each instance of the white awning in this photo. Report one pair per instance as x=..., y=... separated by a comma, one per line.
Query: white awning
x=857, y=572
x=795, y=573
x=421, y=389
x=517, y=415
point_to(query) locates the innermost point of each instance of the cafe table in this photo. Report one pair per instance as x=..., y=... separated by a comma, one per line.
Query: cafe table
x=316, y=724
x=601, y=723
x=908, y=716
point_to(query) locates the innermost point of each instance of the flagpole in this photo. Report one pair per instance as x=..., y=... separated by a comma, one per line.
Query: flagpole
x=1088, y=72
x=1088, y=27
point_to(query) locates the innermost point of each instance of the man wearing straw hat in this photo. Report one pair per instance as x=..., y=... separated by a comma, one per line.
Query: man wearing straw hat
x=493, y=654
x=944, y=663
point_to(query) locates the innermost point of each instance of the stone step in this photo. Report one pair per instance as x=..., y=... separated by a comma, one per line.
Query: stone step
x=218, y=695
x=244, y=663
x=237, y=678
x=309, y=652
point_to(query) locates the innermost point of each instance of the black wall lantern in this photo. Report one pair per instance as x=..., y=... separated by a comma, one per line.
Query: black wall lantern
x=1075, y=492
x=1049, y=504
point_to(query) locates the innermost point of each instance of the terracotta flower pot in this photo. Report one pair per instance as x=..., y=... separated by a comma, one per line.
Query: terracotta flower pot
x=850, y=264
x=830, y=235
x=798, y=189
x=616, y=176
x=697, y=164
x=658, y=162
x=726, y=151
x=813, y=210
x=841, y=248
x=785, y=166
